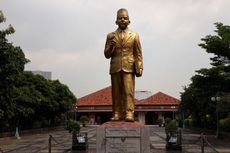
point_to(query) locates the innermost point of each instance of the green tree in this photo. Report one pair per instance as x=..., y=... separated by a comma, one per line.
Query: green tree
x=196, y=98
x=64, y=96
x=12, y=61
x=50, y=100
x=25, y=98
x=219, y=45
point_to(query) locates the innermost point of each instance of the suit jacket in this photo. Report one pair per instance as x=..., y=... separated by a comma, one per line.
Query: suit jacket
x=126, y=54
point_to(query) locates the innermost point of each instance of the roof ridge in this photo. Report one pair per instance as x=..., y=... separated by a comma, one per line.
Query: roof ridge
x=94, y=93
x=103, y=97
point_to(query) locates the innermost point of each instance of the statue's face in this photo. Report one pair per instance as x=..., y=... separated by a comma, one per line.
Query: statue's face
x=122, y=20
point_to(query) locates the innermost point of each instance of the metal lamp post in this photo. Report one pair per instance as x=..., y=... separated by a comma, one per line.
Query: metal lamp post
x=217, y=100
x=76, y=113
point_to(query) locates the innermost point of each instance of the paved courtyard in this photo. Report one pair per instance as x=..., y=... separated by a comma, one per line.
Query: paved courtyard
x=38, y=143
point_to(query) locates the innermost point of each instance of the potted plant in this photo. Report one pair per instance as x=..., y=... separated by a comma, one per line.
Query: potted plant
x=173, y=136
x=160, y=121
x=73, y=126
x=79, y=140
x=84, y=119
x=167, y=120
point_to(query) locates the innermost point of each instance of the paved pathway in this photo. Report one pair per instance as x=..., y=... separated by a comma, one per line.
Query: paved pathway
x=38, y=143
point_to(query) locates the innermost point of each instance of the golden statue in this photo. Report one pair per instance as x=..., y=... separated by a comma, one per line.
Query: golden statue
x=124, y=48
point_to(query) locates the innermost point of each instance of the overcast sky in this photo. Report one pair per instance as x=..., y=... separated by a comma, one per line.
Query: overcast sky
x=67, y=37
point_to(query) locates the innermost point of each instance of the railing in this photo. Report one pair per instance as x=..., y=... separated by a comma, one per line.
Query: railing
x=50, y=143
x=204, y=141
x=79, y=142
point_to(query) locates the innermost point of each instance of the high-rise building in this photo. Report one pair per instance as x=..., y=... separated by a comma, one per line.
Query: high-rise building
x=45, y=74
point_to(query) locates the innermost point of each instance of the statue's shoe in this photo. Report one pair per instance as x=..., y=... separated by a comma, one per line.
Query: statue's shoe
x=129, y=119
x=115, y=118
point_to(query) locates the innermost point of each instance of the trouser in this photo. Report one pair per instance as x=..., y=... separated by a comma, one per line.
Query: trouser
x=123, y=85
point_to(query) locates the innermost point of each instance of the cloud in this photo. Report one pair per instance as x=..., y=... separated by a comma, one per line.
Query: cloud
x=67, y=38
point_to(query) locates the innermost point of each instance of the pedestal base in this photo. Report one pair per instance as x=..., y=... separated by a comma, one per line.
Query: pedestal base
x=123, y=137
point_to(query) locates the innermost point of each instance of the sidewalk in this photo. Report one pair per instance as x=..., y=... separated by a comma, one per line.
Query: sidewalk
x=38, y=143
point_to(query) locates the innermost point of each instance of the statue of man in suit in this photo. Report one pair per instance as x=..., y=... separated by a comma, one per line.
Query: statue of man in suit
x=124, y=48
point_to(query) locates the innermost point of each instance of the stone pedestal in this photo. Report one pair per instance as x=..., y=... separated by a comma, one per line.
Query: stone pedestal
x=123, y=137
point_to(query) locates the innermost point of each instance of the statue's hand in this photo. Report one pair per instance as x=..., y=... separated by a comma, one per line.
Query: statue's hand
x=112, y=42
x=139, y=73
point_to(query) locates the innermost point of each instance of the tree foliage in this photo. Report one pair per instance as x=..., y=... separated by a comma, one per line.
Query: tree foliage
x=218, y=44
x=207, y=83
x=25, y=98
x=43, y=100
x=12, y=61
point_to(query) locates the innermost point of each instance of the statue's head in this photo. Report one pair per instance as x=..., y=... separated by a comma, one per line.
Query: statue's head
x=122, y=18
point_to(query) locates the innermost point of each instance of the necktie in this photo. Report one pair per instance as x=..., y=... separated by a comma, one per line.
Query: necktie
x=122, y=35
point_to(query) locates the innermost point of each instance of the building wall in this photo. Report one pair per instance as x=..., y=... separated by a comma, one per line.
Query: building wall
x=148, y=118
x=141, y=117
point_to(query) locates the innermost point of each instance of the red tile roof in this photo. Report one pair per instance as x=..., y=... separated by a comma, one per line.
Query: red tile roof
x=159, y=99
x=103, y=97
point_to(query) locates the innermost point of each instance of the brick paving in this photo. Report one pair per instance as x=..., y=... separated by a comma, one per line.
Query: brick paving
x=38, y=143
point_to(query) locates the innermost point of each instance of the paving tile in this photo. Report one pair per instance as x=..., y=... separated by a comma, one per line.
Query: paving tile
x=38, y=143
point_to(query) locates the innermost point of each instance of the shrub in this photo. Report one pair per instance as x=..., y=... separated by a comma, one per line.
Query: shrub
x=188, y=122
x=171, y=126
x=167, y=120
x=45, y=123
x=225, y=124
x=229, y=114
x=57, y=120
x=36, y=125
x=84, y=119
x=72, y=126
x=159, y=121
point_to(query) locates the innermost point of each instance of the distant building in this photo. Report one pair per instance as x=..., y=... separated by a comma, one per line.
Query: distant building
x=148, y=107
x=45, y=74
x=139, y=95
